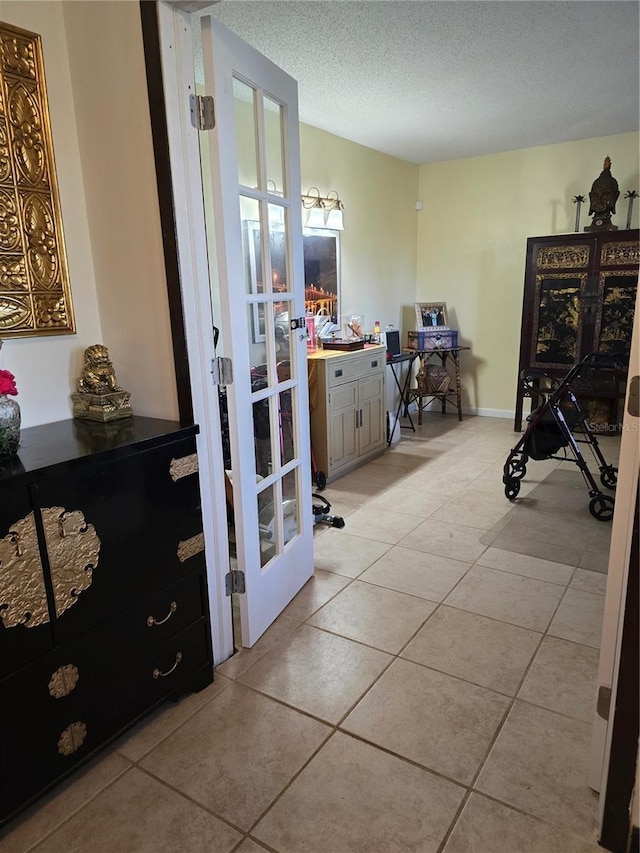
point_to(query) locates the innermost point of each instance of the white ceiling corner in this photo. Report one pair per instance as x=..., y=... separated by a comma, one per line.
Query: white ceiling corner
x=433, y=80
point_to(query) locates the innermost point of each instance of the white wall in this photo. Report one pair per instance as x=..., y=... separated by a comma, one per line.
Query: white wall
x=94, y=67
x=472, y=236
x=45, y=367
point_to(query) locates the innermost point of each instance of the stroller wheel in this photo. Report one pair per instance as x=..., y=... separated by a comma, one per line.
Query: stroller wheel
x=321, y=480
x=518, y=469
x=511, y=489
x=601, y=507
x=609, y=477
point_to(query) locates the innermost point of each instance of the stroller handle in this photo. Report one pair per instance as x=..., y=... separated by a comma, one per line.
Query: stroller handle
x=528, y=377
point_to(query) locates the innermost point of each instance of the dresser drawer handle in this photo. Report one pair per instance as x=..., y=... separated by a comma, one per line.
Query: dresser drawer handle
x=158, y=673
x=151, y=620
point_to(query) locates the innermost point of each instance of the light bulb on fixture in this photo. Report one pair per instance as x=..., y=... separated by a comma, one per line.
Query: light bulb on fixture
x=334, y=207
x=323, y=211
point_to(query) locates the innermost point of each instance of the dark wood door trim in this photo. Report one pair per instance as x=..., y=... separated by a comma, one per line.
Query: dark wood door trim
x=155, y=88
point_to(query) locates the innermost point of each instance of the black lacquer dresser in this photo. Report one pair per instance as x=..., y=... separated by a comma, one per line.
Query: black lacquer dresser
x=103, y=595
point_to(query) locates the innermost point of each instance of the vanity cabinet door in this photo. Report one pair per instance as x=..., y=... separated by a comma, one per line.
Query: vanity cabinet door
x=118, y=531
x=25, y=624
x=343, y=425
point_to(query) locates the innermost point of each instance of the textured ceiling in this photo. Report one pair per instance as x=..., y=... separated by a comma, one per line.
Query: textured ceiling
x=432, y=80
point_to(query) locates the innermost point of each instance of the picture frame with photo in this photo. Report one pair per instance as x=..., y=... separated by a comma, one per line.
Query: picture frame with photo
x=431, y=315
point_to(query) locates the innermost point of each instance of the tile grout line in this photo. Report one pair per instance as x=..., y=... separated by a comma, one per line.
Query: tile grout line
x=499, y=729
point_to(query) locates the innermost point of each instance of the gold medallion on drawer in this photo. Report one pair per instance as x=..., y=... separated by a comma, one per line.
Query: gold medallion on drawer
x=72, y=738
x=23, y=598
x=73, y=547
x=63, y=681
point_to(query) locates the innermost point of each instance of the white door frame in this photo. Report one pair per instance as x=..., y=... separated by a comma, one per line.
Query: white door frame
x=617, y=580
x=176, y=50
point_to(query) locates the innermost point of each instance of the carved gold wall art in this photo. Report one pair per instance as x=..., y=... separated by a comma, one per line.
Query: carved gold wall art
x=35, y=295
x=627, y=252
x=63, y=681
x=559, y=257
x=23, y=598
x=73, y=547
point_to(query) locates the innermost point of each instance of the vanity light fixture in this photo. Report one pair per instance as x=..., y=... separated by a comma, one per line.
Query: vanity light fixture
x=323, y=211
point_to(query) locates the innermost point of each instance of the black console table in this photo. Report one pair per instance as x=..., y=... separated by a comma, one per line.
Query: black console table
x=103, y=595
x=404, y=358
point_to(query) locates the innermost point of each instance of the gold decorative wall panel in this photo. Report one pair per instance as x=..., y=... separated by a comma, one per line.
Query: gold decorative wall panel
x=73, y=548
x=562, y=257
x=23, y=598
x=35, y=296
x=620, y=253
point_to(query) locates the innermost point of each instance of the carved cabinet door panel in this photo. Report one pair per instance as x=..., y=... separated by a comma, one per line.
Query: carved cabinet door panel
x=48, y=723
x=117, y=530
x=25, y=624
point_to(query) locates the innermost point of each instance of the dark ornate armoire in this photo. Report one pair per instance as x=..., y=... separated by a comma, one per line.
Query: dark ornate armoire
x=579, y=297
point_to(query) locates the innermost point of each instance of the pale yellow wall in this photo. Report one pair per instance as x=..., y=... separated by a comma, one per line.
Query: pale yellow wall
x=378, y=244
x=472, y=235
x=43, y=366
x=94, y=67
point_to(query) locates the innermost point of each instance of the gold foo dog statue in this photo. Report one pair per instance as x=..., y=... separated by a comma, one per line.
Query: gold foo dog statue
x=99, y=397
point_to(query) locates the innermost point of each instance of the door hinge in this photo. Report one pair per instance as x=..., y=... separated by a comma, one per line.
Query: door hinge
x=234, y=582
x=633, y=406
x=297, y=323
x=221, y=370
x=604, y=702
x=203, y=115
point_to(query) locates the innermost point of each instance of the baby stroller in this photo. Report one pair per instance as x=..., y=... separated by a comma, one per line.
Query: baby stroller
x=559, y=423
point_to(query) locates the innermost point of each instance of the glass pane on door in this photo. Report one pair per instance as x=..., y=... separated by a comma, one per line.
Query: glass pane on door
x=244, y=102
x=251, y=244
x=274, y=147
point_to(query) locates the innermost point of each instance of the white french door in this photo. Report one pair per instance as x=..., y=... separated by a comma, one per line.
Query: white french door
x=617, y=578
x=254, y=166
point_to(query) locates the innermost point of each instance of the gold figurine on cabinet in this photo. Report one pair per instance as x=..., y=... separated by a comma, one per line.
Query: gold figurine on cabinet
x=99, y=397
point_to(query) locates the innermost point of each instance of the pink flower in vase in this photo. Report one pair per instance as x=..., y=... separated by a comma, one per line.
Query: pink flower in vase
x=7, y=383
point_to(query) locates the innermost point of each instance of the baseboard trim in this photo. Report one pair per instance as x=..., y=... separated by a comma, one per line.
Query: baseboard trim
x=489, y=413
x=434, y=406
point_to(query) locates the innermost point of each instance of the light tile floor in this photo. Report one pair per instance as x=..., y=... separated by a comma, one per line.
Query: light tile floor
x=423, y=692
